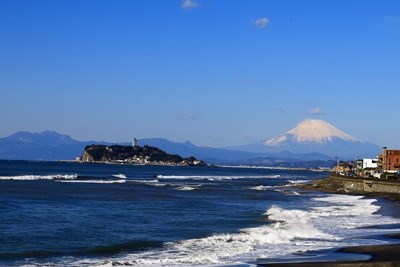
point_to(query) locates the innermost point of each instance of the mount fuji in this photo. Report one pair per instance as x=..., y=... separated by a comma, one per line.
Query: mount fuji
x=316, y=136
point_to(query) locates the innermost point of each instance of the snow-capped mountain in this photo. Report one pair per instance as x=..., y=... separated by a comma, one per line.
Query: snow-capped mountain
x=317, y=131
x=317, y=136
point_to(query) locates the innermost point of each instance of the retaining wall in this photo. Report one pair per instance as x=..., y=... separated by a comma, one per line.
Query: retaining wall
x=352, y=184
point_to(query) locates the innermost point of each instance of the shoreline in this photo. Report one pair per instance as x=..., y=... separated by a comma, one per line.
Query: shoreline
x=380, y=255
x=385, y=255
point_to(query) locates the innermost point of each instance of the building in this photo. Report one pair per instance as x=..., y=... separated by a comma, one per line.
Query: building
x=389, y=160
x=344, y=168
x=365, y=167
x=134, y=142
x=369, y=163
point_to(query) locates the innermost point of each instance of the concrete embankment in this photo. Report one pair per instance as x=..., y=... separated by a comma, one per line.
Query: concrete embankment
x=354, y=185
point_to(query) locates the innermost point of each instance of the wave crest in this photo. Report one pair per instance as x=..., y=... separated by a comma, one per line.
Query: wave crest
x=40, y=177
x=285, y=227
x=216, y=178
x=119, y=175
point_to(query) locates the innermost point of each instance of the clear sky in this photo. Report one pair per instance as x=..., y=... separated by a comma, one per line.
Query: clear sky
x=215, y=72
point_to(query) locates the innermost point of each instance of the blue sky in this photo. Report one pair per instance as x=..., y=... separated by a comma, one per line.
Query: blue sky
x=215, y=72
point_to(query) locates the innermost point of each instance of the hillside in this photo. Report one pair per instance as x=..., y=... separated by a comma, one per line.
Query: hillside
x=47, y=145
x=135, y=155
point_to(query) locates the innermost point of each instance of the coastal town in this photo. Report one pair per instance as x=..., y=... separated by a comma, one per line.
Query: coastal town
x=379, y=176
x=385, y=166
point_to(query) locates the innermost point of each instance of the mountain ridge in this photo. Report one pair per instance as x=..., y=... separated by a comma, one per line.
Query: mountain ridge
x=46, y=145
x=306, y=142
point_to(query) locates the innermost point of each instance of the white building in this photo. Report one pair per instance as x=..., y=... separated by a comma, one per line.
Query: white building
x=369, y=163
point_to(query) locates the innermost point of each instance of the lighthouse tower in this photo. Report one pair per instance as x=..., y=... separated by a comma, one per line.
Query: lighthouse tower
x=134, y=142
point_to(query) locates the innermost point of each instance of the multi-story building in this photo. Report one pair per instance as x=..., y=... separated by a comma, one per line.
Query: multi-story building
x=365, y=167
x=389, y=160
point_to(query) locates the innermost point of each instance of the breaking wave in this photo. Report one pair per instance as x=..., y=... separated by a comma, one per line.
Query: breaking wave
x=262, y=187
x=284, y=228
x=120, y=181
x=298, y=182
x=216, y=178
x=119, y=175
x=65, y=178
x=40, y=177
x=186, y=188
x=285, y=232
x=154, y=182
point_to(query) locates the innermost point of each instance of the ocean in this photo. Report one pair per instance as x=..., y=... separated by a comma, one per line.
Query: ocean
x=72, y=214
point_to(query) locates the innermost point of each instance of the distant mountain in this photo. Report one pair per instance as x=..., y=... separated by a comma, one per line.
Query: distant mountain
x=316, y=136
x=188, y=149
x=237, y=157
x=312, y=141
x=47, y=145
x=50, y=145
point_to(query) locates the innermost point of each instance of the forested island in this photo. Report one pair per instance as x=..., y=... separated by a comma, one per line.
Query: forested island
x=135, y=155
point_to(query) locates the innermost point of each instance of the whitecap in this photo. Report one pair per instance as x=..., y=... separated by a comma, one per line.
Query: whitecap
x=186, y=188
x=218, y=177
x=154, y=182
x=286, y=232
x=298, y=182
x=40, y=177
x=261, y=187
x=119, y=175
x=246, y=245
x=120, y=181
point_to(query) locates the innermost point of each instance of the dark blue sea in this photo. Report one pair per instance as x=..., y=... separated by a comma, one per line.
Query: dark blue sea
x=72, y=214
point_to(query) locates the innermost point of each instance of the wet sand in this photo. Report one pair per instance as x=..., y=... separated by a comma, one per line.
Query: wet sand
x=381, y=255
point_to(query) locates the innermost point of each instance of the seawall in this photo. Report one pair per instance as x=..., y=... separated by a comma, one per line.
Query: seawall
x=354, y=185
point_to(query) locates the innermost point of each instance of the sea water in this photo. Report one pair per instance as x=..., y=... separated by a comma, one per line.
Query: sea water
x=71, y=214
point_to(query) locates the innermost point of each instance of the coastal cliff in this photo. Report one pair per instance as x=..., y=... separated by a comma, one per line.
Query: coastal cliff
x=135, y=155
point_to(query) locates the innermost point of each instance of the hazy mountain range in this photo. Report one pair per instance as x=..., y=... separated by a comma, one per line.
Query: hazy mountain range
x=310, y=140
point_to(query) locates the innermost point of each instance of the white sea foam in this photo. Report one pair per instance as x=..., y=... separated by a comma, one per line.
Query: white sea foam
x=288, y=227
x=119, y=181
x=289, y=232
x=262, y=187
x=119, y=175
x=40, y=177
x=187, y=187
x=154, y=182
x=327, y=223
x=216, y=178
x=297, y=182
x=353, y=212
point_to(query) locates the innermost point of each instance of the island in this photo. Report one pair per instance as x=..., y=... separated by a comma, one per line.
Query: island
x=147, y=155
